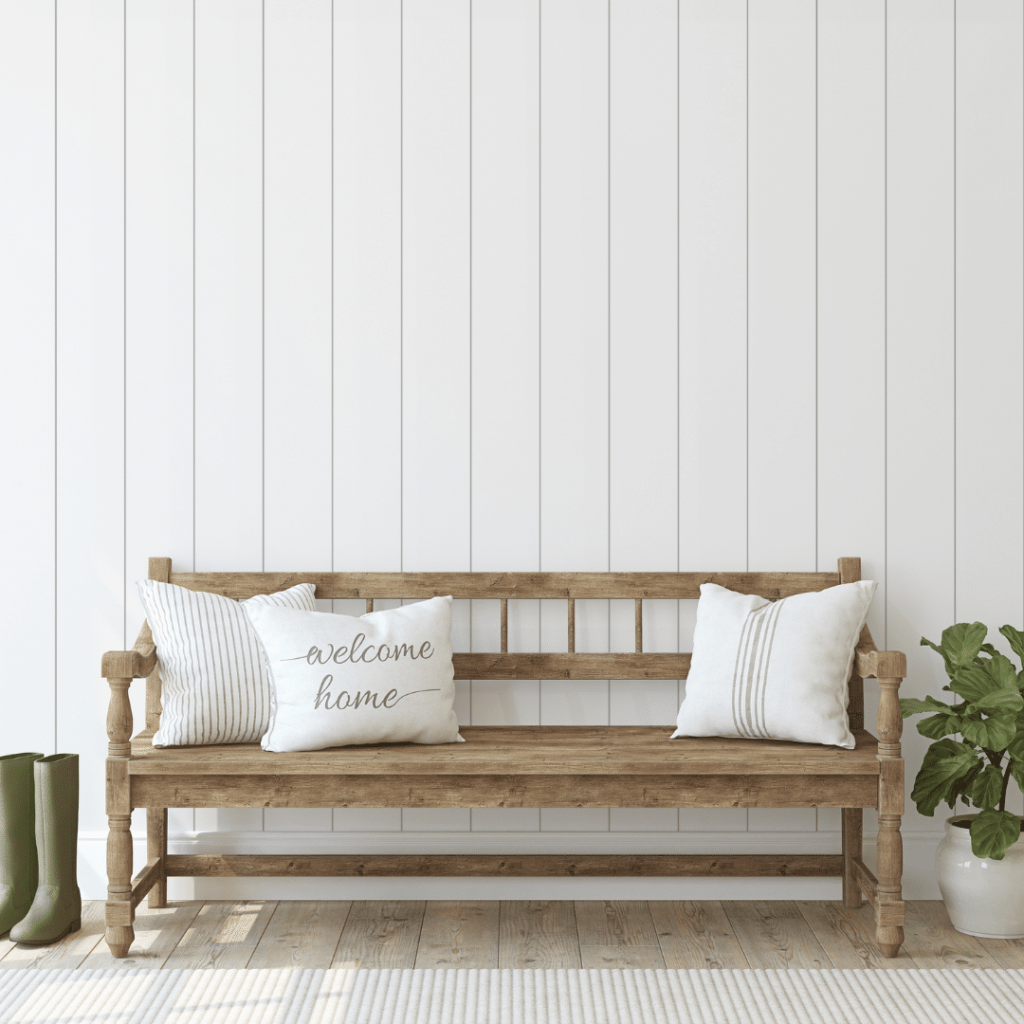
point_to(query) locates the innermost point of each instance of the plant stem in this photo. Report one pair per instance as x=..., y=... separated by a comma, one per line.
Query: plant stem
x=1006, y=784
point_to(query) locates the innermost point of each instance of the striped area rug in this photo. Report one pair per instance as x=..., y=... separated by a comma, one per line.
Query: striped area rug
x=511, y=997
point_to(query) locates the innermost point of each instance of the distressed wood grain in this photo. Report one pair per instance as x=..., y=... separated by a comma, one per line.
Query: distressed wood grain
x=774, y=935
x=932, y=942
x=617, y=933
x=380, y=933
x=222, y=935
x=696, y=935
x=157, y=934
x=459, y=933
x=538, y=935
x=302, y=934
x=848, y=936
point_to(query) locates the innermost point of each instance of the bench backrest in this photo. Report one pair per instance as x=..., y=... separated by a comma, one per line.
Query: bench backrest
x=567, y=587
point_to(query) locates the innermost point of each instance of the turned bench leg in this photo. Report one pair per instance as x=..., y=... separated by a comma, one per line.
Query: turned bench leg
x=853, y=849
x=156, y=850
x=889, y=912
x=120, y=914
x=889, y=916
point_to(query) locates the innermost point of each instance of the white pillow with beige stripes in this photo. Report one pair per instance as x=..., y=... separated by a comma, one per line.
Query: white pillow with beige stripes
x=216, y=683
x=774, y=670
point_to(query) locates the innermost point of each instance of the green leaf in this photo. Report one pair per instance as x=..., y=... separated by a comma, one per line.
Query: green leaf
x=925, y=642
x=1001, y=669
x=962, y=786
x=992, y=832
x=962, y=642
x=987, y=788
x=998, y=700
x=973, y=683
x=944, y=763
x=937, y=726
x=913, y=706
x=1016, y=638
x=993, y=733
x=1001, y=731
x=1017, y=773
x=1016, y=747
x=989, y=649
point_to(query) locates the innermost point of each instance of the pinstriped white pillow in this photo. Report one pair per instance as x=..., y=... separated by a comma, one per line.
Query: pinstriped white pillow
x=216, y=684
x=781, y=670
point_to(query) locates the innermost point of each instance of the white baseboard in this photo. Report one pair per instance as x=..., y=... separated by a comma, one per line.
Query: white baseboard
x=918, y=878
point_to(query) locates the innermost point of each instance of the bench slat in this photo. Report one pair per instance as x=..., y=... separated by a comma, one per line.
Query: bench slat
x=600, y=585
x=599, y=865
x=524, y=750
x=565, y=790
x=571, y=666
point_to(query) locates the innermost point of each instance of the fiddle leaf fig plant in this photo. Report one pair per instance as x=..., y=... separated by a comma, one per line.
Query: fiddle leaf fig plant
x=989, y=719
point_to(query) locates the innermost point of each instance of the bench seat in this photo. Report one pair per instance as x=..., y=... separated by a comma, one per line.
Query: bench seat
x=514, y=766
x=523, y=750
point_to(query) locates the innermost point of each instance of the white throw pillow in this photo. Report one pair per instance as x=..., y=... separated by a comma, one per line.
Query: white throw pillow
x=781, y=670
x=338, y=680
x=216, y=687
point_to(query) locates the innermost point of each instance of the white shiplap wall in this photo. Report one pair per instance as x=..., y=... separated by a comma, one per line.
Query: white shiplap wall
x=492, y=284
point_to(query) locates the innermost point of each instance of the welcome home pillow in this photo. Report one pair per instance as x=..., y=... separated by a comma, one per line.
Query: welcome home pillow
x=764, y=670
x=216, y=687
x=338, y=680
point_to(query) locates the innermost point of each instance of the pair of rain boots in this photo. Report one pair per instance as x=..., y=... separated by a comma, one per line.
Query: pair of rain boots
x=39, y=898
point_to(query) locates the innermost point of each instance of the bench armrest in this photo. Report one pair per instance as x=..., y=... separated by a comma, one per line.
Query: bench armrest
x=137, y=663
x=890, y=669
x=119, y=668
x=871, y=663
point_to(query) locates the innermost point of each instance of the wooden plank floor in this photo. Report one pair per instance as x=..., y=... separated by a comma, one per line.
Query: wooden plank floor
x=519, y=934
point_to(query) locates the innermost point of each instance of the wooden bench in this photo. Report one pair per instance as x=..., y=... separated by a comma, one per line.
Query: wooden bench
x=514, y=766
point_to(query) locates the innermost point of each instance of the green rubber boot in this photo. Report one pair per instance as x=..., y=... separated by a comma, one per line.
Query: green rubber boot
x=18, y=865
x=57, y=908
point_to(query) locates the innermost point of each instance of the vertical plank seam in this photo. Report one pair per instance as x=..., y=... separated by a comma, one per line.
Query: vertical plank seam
x=885, y=325
x=608, y=682
x=263, y=306
x=540, y=396
x=817, y=320
x=194, y=567
x=540, y=357
x=746, y=156
x=746, y=146
x=817, y=317
x=401, y=285
x=56, y=252
x=954, y=313
x=471, y=687
x=263, y=285
x=191, y=812
x=333, y=567
x=401, y=310
x=124, y=323
x=678, y=370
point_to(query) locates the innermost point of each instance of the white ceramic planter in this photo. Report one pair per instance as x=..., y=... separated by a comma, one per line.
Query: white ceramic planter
x=983, y=897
